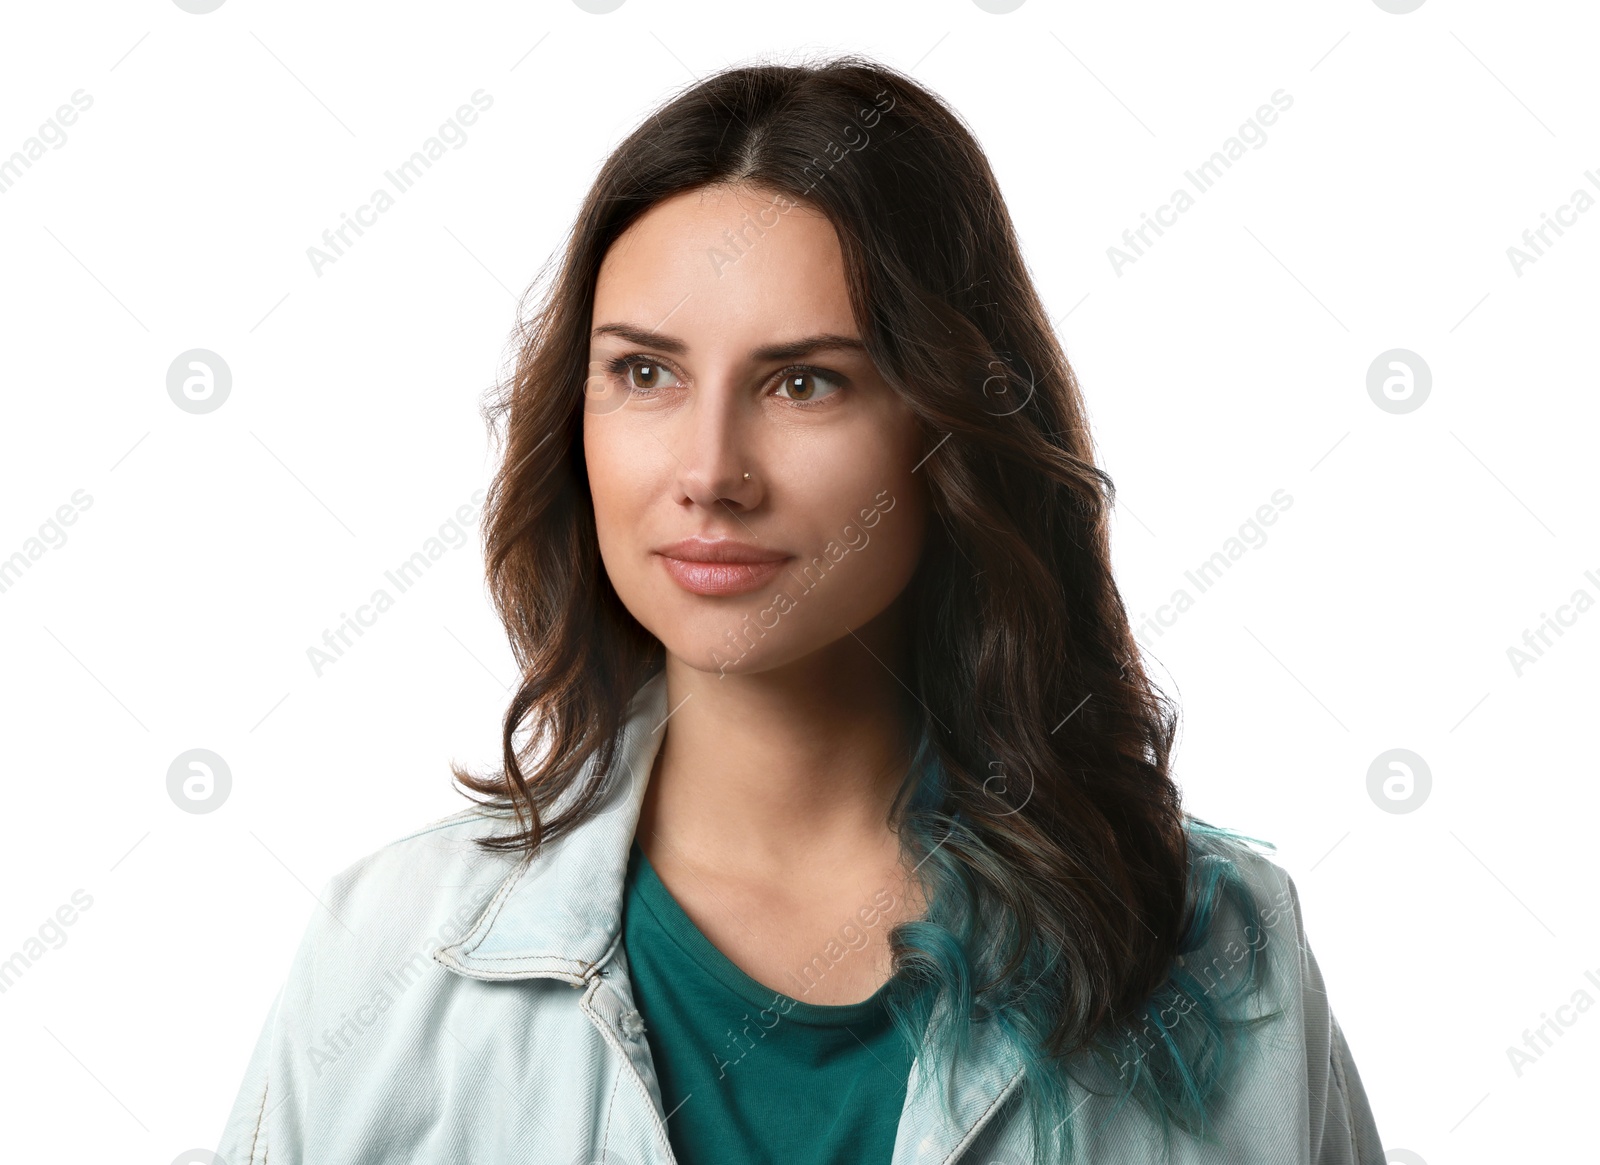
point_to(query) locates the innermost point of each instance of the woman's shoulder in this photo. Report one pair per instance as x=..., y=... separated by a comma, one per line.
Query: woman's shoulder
x=361, y=986
x=1239, y=895
x=1247, y=956
x=447, y=843
x=418, y=892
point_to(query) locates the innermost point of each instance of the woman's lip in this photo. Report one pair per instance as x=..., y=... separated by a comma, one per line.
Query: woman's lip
x=720, y=578
x=697, y=549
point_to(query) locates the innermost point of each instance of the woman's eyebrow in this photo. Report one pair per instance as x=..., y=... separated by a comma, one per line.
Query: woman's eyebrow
x=790, y=350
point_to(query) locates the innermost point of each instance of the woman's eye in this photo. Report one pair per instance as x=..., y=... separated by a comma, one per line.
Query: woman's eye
x=808, y=384
x=643, y=376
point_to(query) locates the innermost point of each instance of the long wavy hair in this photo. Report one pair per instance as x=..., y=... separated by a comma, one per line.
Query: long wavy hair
x=1063, y=879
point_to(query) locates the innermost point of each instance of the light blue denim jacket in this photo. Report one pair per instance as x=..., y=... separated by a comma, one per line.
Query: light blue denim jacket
x=448, y=1005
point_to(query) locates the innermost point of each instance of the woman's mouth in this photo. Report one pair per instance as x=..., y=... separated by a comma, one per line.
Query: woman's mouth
x=720, y=566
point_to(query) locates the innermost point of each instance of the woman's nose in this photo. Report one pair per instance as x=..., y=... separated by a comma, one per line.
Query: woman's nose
x=715, y=462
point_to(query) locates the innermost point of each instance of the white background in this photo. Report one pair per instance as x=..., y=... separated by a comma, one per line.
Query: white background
x=1228, y=362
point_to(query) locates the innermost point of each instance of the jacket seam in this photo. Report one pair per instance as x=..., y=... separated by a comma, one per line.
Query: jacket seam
x=966, y=1142
x=551, y=956
x=502, y=896
x=627, y=1066
x=511, y=975
x=525, y=958
x=611, y=1107
x=605, y=955
x=261, y=1116
x=1337, y=1062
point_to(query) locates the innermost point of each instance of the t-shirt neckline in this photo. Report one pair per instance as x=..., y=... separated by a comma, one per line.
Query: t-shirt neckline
x=681, y=929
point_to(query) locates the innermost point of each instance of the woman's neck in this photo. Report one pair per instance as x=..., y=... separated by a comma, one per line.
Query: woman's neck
x=760, y=774
x=766, y=817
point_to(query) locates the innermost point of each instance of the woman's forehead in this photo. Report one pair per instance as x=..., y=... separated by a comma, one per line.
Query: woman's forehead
x=702, y=266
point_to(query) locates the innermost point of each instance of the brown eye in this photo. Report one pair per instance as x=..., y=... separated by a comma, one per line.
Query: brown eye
x=804, y=385
x=799, y=386
x=646, y=376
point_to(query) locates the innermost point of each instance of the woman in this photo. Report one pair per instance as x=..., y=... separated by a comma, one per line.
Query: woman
x=834, y=780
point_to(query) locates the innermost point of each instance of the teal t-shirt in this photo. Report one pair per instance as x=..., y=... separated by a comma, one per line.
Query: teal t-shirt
x=747, y=1073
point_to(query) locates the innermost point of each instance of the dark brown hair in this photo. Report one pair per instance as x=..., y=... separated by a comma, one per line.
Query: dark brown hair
x=1023, y=663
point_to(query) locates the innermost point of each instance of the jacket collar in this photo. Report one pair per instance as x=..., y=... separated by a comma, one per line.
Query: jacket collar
x=559, y=915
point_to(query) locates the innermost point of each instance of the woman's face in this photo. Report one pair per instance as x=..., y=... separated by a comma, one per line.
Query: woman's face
x=723, y=344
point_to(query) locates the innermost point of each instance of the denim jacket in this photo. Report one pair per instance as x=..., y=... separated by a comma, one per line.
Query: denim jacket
x=451, y=1005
